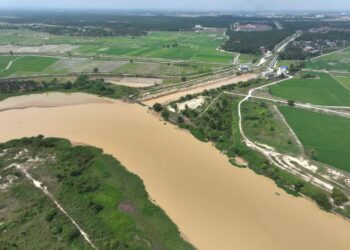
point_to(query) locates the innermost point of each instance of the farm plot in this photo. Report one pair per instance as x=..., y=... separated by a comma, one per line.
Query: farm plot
x=344, y=80
x=320, y=90
x=167, y=45
x=28, y=65
x=5, y=61
x=326, y=138
x=337, y=61
x=77, y=65
x=23, y=37
x=163, y=45
x=41, y=49
x=164, y=69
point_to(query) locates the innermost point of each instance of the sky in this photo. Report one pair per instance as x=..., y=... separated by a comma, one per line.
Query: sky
x=258, y=5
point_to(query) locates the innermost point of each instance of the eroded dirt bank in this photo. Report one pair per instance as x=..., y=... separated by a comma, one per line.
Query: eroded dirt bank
x=215, y=205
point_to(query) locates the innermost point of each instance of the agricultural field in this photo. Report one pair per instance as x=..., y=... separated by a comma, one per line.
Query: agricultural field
x=27, y=65
x=5, y=60
x=167, y=45
x=322, y=89
x=344, y=80
x=149, y=68
x=339, y=61
x=36, y=65
x=326, y=138
x=163, y=45
x=246, y=58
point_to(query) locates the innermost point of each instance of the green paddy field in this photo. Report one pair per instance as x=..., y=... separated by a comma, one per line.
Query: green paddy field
x=339, y=61
x=326, y=137
x=321, y=90
x=191, y=46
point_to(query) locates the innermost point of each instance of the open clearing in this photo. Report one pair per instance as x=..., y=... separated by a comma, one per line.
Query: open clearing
x=136, y=82
x=323, y=90
x=324, y=136
x=336, y=61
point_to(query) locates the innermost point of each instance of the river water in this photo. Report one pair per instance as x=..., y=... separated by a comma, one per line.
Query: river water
x=216, y=206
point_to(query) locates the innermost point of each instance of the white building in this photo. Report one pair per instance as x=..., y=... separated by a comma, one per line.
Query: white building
x=244, y=68
x=282, y=70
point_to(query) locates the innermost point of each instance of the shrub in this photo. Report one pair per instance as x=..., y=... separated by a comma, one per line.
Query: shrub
x=339, y=197
x=157, y=107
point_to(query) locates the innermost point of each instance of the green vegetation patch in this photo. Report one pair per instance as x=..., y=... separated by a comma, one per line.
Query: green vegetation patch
x=344, y=80
x=336, y=61
x=263, y=123
x=326, y=138
x=83, y=84
x=321, y=90
x=167, y=45
x=109, y=203
x=5, y=60
x=28, y=65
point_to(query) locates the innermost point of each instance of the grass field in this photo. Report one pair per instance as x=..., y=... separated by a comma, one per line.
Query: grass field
x=246, y=58
x=27, y=65
x=32, y=65
x=262, y=123
x=322, y=90
x=287, y=62
x=344, y=80
x=5, y=60
x=325, y=137
x=336, y=61
x=168, y=45
x=165, y=45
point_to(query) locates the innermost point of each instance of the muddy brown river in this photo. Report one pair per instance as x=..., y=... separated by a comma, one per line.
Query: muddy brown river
x=216, y=206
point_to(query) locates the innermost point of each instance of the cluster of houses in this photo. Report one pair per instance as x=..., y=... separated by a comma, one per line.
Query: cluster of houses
x=270, y=73
x=250, y=27
x=267, y=74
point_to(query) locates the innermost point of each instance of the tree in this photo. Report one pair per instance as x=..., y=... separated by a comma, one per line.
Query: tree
x=157, y=107
x=95, y=70
x=183, y=78
x=339, y=197
x=68, y=85
x=131, y=61
x=11, y=52
x=291, y=103
x=165, y=114
x=180, y=119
